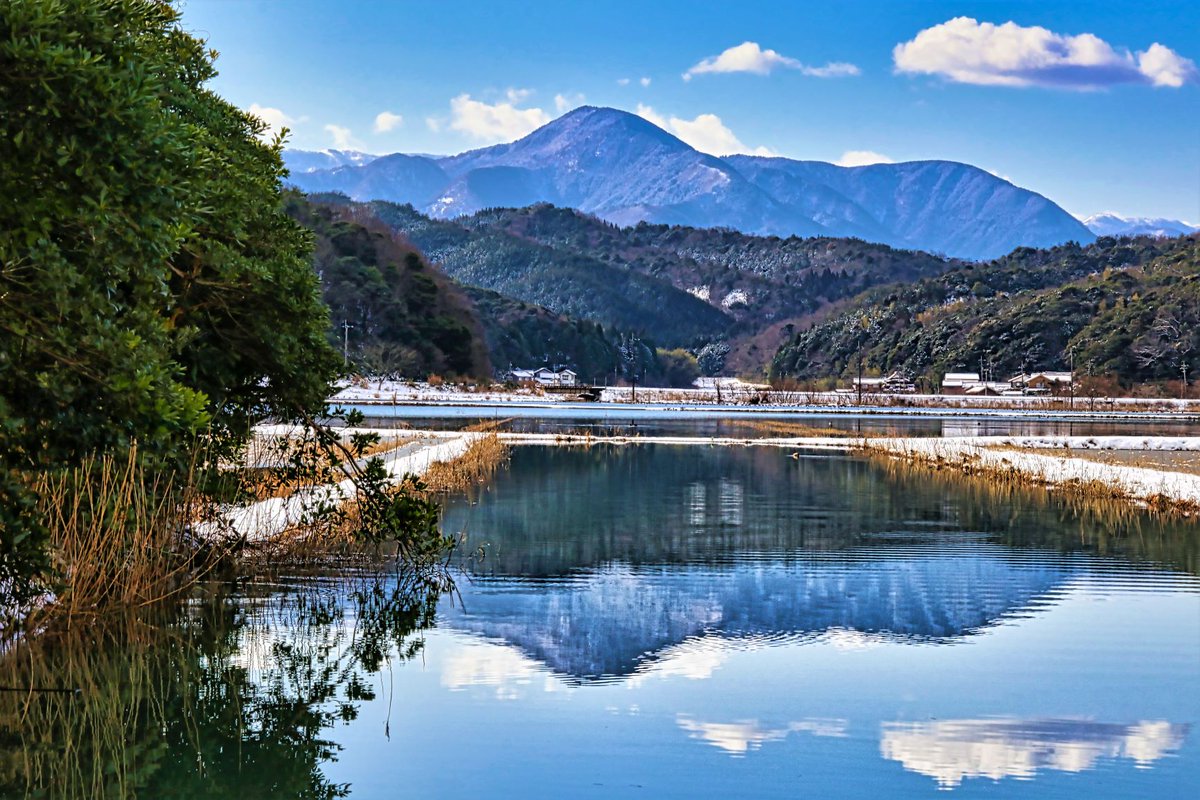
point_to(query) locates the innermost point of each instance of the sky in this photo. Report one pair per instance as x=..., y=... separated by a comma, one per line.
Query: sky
x=1095, y=105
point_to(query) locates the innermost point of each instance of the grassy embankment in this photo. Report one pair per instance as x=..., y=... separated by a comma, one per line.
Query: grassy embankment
x=121, y=539
x=1161, y=490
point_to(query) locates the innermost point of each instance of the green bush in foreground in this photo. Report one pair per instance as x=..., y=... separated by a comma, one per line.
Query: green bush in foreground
x=153, y=290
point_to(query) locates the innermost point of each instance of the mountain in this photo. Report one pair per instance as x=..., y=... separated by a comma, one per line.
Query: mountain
x=936, y=206
x=404, y=317
x=1126, y=308
x=568, y=281
x=397, y=178
x=304, y=161
x=1109, y=223
x=624, y=169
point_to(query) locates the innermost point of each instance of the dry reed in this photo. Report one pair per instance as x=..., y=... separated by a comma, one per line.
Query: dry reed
x=1006, y=473
x=481, y=460
x=115, y=537
x=798, y=429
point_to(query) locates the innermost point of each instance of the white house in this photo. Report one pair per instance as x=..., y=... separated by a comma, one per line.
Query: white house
x=960, y=382
x=544, y=376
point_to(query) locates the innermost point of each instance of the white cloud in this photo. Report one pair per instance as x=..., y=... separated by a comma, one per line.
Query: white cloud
x=834, y=69
x=565, y=102
x=750, y=57
x=644, y=81
x=342, y=139
x=860, y=158
x=965, y=50
x=434, y=124
x=647, y=113
x=622, y=81
x=707, y=133
x=1164, y=67
x=499, y=122
x=275, y=119
x=386, y=121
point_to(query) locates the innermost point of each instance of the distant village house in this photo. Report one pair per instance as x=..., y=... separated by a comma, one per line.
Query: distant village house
x=1035, y=383
x=960, y=382
x=543, y=376
x=892, y=384
x=1042, y=382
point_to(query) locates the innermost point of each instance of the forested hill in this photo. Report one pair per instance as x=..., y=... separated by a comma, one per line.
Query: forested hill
x=405, y=317
x=1127, y=307
x=676, y=285
x=409, y=319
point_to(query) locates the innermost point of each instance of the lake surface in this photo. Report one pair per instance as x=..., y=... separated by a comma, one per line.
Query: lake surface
x=750, y=422
x=658, y=621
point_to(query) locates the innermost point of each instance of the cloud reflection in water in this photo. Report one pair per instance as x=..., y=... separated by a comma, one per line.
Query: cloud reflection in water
x=950, y=751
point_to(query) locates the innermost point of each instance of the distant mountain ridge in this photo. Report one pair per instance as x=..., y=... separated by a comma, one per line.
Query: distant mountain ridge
x=1109, y=223
x=624, y=169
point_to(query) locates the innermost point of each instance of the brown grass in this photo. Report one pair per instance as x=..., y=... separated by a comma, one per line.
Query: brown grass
x=488, y=426
x=115, y=537
x=68, y=708
x=1007, y=474
x=475, y=466
x=797, y=429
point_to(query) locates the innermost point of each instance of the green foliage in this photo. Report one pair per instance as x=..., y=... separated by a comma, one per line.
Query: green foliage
x=154, y=290
x=1123, y=306
x=679, y=367
x=712, y=358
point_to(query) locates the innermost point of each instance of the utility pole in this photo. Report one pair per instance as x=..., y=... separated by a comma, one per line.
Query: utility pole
x=1183, y=389
x=1071, y=354
x=860, y=379
x=346, y=326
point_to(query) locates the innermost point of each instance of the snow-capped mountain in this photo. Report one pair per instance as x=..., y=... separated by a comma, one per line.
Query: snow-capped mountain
x=1109, y=223
x=301, y=161
x=624, y=169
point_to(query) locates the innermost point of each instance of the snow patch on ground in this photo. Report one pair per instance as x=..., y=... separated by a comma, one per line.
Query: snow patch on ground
x=273, y=516
x=735, y=298
x=1135, y=483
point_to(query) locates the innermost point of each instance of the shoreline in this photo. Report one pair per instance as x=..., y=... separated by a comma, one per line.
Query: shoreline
x=611, y=409
x=751, y=398
x=1047, y=461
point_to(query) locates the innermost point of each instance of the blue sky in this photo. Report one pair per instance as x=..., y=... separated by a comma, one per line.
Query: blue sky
x=1096, y=105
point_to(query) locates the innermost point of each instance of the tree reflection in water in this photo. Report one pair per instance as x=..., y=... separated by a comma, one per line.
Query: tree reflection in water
x=229, y=696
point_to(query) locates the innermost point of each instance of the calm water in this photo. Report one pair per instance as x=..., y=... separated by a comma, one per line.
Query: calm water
x=741, y=421
x=659, y=621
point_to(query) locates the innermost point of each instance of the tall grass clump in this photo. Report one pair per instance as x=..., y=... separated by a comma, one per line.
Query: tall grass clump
x=116, y=537
x=481, y=460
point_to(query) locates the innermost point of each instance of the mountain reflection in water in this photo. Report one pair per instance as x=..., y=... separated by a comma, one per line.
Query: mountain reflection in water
x=609, y=621
x=597, y=561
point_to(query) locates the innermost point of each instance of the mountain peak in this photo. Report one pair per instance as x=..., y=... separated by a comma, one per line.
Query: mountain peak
x=1110, y=223
x=587, y=127
x=623, y=168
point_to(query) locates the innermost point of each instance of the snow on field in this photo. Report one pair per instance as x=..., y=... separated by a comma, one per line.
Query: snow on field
x=410, y=392
x=736, y=393
x=991, y=454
